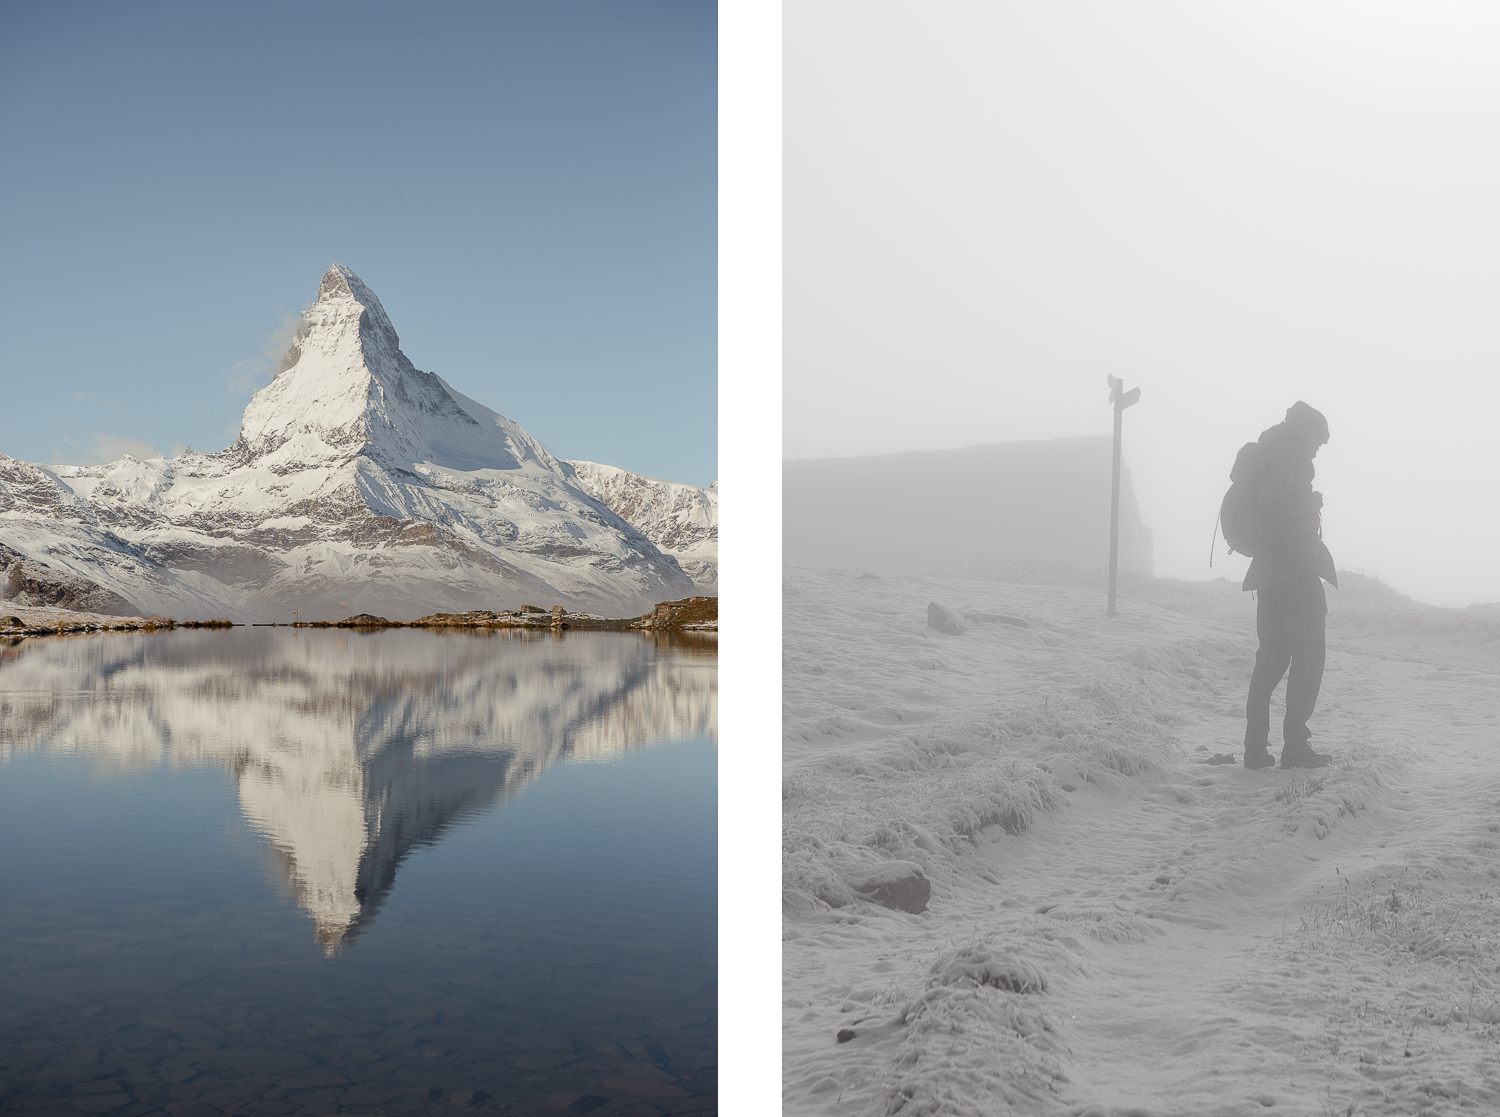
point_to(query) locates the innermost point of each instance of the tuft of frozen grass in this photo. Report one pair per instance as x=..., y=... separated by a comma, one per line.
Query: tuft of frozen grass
x=1300, y=789
x=1404, y=915
x=978, y=1040
x=1330, y=795
x=975, y=965
x=1426, y=953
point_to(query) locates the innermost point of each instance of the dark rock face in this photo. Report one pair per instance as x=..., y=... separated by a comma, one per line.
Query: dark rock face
x=900, y=885
x=28, y=582
x=945, y=620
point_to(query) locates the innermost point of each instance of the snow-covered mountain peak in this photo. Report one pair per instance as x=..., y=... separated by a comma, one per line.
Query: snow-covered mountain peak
x=345, y=387
x=360, y=483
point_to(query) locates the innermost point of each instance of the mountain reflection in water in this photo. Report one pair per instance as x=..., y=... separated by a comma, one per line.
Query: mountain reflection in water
x=351, y=749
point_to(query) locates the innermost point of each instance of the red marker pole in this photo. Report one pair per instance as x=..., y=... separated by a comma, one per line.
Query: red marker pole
x=1121, y=399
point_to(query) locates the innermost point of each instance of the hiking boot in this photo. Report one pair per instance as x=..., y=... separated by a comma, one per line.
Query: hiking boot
x=1302, y=756
x=1259, y=757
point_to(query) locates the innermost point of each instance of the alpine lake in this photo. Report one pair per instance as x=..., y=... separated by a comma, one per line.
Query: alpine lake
x=317, y=871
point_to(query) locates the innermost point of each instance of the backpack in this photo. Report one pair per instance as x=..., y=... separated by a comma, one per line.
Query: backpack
x=1239, y=515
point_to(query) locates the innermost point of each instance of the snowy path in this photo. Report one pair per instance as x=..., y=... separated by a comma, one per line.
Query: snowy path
x=1212, y=940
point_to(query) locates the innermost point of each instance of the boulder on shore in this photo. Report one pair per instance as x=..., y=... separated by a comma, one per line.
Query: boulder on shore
x=363, y=620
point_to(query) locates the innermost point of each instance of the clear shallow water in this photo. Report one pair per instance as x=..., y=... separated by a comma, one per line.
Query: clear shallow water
x=276, y=872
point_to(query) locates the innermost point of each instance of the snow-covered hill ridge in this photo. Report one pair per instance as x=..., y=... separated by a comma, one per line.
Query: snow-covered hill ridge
x=682, y=520
x=357, y=483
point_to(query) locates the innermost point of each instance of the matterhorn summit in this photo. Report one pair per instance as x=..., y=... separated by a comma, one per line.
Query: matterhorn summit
x=345, y=384
x=358, y=483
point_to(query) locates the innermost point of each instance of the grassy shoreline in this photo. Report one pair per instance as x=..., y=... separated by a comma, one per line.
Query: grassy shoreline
x=700, y=614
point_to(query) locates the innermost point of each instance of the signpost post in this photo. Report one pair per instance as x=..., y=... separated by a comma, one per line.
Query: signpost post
x=1121, y=399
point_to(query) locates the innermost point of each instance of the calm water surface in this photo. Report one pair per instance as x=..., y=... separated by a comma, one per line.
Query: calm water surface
x=277, y=872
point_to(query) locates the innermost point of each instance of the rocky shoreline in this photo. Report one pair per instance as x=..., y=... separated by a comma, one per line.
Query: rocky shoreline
x=695, y=614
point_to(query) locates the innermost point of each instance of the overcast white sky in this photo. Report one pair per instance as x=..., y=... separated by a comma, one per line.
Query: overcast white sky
x=990, y=206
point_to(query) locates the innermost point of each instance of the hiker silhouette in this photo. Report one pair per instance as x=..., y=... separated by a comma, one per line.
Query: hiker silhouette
x=1278, y=521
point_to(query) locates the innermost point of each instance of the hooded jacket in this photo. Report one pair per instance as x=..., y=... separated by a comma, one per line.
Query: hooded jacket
x=1290, y=511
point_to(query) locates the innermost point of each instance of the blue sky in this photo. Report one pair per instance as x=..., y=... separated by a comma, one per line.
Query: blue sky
x=528, y=187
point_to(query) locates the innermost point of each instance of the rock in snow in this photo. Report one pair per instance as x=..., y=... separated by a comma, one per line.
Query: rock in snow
x=360, y=483
x=900, y=885
x=944, y=620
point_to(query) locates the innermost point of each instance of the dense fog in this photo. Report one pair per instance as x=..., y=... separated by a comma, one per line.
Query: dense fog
x=989, y=208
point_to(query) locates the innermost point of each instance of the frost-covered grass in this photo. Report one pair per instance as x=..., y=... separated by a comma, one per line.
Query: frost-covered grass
x=1418, y=996
x=1300, y=789
x=925, y=796
x=1407, y=915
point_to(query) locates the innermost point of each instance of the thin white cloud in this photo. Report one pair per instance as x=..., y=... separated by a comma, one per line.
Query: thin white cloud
x=254, y=373
x=106, y=448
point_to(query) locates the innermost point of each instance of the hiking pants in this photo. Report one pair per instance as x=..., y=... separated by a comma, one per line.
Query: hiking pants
x=1289, y=619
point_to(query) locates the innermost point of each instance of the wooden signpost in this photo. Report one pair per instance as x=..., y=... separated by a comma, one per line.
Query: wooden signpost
x=1121, y=399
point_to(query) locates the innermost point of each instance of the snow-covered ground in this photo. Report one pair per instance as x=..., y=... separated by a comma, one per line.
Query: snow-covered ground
x=1117, y=926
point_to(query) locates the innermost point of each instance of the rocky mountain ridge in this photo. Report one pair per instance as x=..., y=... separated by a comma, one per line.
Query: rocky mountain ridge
x=682, y=520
